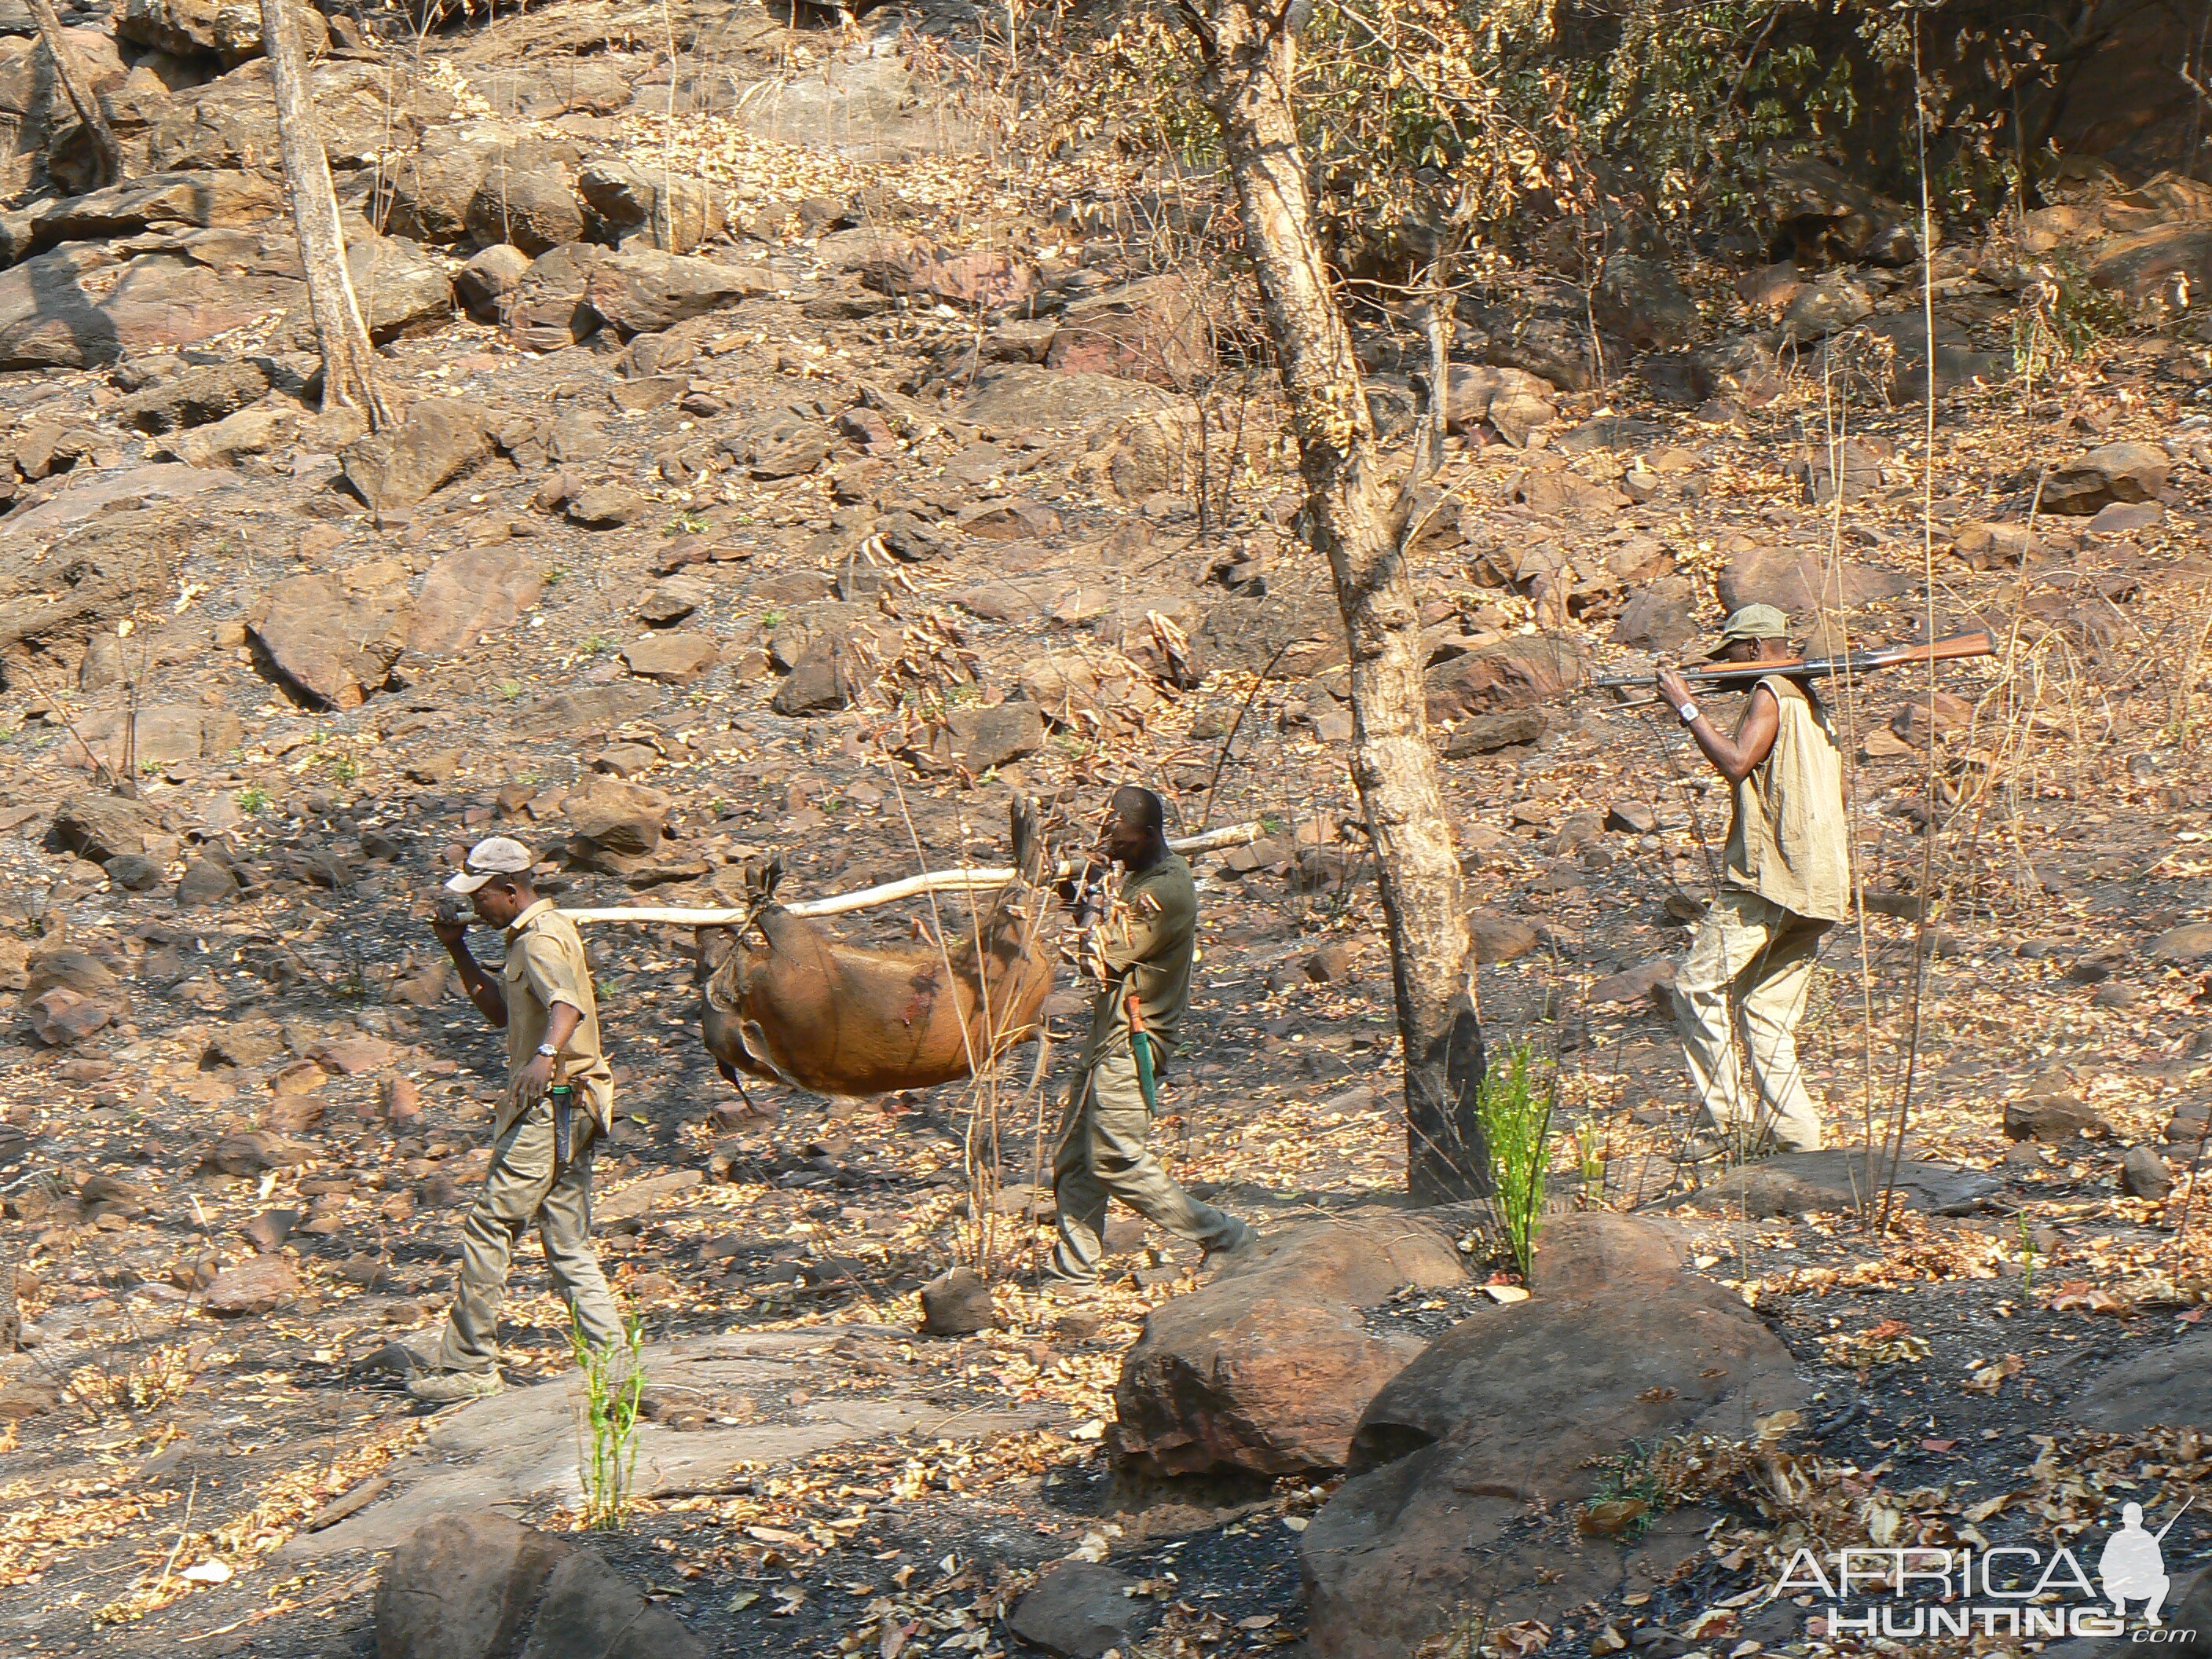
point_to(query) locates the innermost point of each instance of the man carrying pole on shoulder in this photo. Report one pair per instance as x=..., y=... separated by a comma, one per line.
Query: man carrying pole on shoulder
x=1786, y=881
x=560, y=1100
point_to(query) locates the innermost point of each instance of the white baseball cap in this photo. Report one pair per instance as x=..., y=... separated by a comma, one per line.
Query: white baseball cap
x=486, y=859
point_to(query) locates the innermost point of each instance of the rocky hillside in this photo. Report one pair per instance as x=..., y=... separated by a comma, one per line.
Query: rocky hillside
x=792, y=457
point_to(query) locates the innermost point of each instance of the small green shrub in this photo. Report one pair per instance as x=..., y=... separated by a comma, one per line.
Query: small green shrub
x=252, y=800
x=614, y=1387
x=1515, y=1105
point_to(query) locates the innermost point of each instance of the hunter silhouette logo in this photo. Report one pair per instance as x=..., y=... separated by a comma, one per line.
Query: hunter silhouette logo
x=2008, y=1589
x=2133, y=1565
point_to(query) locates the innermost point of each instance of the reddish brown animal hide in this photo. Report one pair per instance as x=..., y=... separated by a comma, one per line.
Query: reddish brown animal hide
x=802, y=1008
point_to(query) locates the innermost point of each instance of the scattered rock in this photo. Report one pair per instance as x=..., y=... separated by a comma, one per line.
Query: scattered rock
x=61, y=1016
x=1841, y=1178
x=440, y=439
x=2144, y=1175
x=2161, y=1387
x=1500, y=937
x=475, y=1585
x=956, y=1304
x=1485, y=734
x=1081, y=1609
x=607, y=506
x=996, y=736
x=100, y=827
x=2110, y=473
x=328, y=648
x=616, y=816
x=2051, y=1117
x=268, y=1231
x=1267, y=1367
x=2188, y=943
x=1637, y=984
x=132, y=873
x=672, y=658
x=205, y=882
x=21, y=1397
x=258, y=1285
x=252, y=1151
x=468, y=594
x=1514, y=673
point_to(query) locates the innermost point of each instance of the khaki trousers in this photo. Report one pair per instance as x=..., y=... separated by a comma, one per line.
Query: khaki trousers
x=1102, y=1154
x=1751, y=964
x=521, y=1190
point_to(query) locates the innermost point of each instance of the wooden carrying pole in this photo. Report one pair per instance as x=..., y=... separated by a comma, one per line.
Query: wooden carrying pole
x=932, y=881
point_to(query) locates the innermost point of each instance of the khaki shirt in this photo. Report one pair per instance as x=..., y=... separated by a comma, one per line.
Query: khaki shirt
x=1150, y=943
x=1790, y=840
x=545, y=965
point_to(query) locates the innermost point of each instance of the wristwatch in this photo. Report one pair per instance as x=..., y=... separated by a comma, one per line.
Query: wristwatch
x=1688, y=711
x=549, y=1051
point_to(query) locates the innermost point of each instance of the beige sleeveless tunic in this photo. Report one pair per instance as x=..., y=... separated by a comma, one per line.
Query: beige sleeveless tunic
x=1790, y=840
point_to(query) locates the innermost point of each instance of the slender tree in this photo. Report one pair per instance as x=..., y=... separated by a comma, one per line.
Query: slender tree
x=341, y=337
x=81, y=98
x=1247, y=51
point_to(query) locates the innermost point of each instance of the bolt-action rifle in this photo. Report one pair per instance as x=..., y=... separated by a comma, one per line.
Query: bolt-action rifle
x=1723, y=676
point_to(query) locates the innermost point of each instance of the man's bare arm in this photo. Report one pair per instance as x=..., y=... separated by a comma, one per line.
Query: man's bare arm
x=1734, y=758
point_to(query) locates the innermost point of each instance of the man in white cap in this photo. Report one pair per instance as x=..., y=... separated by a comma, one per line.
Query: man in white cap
x=543, y=999
x=1785, y=881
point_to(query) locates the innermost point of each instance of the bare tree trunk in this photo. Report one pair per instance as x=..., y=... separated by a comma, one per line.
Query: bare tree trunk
x=1358, y=521
x=341, y=337
x=80, y=96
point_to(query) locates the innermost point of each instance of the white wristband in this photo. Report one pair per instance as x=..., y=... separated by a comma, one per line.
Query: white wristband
x=1688, y=711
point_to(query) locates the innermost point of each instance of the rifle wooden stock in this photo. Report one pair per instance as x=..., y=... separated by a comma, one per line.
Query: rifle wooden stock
x=1979, y=643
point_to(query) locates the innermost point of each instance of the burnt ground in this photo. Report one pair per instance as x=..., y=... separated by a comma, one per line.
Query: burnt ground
x=158, y=1459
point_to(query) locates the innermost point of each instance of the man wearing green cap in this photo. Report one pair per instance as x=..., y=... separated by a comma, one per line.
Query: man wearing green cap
x=541, y=1167
x=1786, y=880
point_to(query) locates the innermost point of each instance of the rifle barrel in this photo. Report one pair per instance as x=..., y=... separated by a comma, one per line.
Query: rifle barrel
x=1980, y=643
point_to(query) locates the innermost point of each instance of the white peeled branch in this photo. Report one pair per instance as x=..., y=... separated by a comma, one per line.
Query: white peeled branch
x=930, y=881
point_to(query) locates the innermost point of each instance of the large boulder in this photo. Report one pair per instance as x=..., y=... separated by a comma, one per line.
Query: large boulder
x=1268, y=1368
x=1280, y=637
x=1642, y=302
x=1151, y=330
x=100, y=827
x=614, y=817
x=1796, y=579
x=1082, y=1609
x=204, y=200
x=2109, y=473
x=524, y=199
x=223, y=29
x=426, y=194
x=328, y=647
x=1017, y=395
x=439, y=439
x=1841, y=1179
x=195, y=398
x=642, y=290
x=1820, y=217
x=2162, y=1387
x=2165, y=262
x=663, y=210
x=478, y=591
x=1466, y=1468
x=474, y=1584
x=977, y=278
x=1514, y=673
x=1513, y=401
